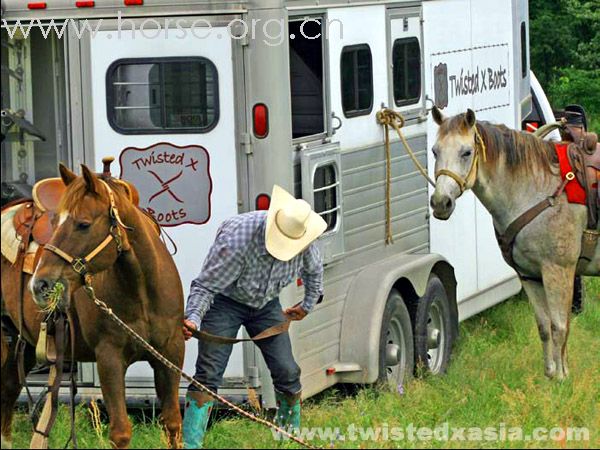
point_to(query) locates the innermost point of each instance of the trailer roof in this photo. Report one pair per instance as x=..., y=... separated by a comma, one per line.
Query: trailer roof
x=63, y=9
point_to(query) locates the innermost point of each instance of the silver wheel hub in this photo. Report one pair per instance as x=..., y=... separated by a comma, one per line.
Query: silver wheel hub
x=392, y=354
x=436, y=338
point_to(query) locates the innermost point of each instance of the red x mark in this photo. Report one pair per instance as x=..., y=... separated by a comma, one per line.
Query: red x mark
x=165, y=186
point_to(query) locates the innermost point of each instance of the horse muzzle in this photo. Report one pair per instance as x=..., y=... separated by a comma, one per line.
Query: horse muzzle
x=442, y=205
x=48, y=294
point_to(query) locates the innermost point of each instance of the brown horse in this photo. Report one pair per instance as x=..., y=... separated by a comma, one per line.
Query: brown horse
x=510, y=172
x=135, y=275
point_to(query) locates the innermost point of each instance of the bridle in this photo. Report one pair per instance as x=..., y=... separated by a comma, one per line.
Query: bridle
x=469, y=180
x=80, y=264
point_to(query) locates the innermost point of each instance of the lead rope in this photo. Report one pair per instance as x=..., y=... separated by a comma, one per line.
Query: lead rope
x=390, y=118
x=150, y=349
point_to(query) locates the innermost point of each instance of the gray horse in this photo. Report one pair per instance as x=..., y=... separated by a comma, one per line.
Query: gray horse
x=510, y=172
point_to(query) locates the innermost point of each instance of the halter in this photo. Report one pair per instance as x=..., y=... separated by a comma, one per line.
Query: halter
x=469, y=180
x=79, y=264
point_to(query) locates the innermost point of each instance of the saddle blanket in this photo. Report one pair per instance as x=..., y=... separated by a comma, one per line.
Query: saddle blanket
x=574, y=190
x=11, y=240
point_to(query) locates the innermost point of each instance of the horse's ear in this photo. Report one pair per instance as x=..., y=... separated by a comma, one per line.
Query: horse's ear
x=438, y=117
x=470, y=118
x=66, y=174
x=91, y=181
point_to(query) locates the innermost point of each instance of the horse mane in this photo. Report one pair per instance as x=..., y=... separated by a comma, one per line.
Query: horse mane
x=72, y=199
x=522, y=152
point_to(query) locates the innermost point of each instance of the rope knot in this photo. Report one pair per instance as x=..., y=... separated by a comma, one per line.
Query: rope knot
x=389, y=117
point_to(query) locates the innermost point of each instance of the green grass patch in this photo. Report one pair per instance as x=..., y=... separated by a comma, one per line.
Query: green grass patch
x=495, y=380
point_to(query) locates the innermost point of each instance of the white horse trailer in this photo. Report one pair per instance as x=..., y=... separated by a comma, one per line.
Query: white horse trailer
x=206, y=104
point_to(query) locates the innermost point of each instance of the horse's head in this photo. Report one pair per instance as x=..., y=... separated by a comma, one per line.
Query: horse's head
x=88, y=238
x=456, y=151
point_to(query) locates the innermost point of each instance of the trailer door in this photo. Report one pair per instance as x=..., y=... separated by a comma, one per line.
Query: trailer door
x=163, y=106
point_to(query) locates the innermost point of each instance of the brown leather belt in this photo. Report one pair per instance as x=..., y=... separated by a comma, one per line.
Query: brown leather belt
x=269, y=332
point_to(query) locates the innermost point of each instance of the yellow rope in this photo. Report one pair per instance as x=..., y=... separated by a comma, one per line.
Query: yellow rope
x=390, y=118
x=96, y=421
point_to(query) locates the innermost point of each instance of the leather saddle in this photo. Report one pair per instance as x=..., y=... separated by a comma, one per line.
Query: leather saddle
x=33, y=221
x=584, y=156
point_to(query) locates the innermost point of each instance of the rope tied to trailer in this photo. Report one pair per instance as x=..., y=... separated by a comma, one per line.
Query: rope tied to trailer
x=389, y=118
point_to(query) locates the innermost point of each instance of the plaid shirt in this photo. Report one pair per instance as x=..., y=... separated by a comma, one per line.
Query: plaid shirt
x=239, y=266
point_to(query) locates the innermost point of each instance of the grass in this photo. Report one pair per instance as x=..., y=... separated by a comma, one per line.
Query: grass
x=594, y=124
x=495, y=378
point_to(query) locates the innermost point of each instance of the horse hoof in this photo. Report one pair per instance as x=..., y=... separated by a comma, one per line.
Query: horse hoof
x=550, y=372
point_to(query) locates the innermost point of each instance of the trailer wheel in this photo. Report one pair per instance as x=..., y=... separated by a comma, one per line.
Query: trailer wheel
x=578, y=296
x=396, y=346
x=432, y=322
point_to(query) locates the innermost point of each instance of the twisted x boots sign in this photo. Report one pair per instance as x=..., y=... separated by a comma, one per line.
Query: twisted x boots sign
x=174, y=182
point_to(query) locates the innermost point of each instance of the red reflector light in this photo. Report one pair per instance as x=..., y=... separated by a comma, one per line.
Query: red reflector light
x=260, y=114
x=37, y=5
x=133, y=2
x=330, y=371
x=299, y=282
x=531, y=126
x=85, y=4
x=263, y=201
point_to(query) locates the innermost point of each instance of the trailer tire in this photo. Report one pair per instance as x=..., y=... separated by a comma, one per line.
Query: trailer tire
x=396, y=343
x=432, y=324
x=578, y=296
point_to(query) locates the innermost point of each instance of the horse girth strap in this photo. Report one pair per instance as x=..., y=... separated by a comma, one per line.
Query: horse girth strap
x=507, y=239
x=269, y=332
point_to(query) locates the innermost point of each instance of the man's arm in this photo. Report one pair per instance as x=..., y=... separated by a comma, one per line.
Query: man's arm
x=221, y=268
x=312, y=277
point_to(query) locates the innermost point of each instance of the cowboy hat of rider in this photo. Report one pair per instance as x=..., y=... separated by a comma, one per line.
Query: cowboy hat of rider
x=254, y=256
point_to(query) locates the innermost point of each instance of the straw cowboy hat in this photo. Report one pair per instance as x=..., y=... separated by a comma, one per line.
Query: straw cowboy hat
x=291, y=225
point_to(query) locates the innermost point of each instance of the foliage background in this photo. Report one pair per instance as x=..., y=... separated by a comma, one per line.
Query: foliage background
x=565, y=53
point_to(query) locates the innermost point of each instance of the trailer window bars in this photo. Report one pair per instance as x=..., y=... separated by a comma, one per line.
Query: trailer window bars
x=162, y=95
x=357, y=80
x=325, y=194
x=406, y=69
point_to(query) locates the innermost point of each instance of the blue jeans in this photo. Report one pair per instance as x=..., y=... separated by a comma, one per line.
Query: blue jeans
x=224, y=318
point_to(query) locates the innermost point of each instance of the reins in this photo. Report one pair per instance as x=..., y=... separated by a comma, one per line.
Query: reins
x=80, y=266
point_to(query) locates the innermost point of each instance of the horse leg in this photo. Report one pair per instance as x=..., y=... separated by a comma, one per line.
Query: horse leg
x=111, y=369
x=11, y=386
x=559, y=285
x=537, y=298
x=167, y=390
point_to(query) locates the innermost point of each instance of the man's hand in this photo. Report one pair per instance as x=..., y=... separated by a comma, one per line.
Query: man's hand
x=187, y=334
x=295, y=313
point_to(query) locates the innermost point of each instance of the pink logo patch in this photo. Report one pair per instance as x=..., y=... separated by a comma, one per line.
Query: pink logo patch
x=174, y=182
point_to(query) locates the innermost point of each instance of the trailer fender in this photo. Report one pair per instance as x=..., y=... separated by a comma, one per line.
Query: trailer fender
x=365, y=304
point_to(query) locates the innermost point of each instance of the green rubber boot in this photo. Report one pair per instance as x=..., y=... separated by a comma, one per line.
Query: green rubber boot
x=198, y=407
x=288, y=410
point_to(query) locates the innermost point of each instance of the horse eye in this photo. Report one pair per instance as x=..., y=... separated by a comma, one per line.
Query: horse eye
x=467, y=154
x=83, y=225
x=434, y=151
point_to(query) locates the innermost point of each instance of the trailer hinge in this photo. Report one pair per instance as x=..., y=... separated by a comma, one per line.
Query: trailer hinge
x=244, y=41
x=246, y=143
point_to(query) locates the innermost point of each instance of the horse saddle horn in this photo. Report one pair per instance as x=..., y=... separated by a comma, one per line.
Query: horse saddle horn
x=106, y=162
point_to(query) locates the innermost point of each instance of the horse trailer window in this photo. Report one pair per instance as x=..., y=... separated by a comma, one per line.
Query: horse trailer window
x=325, y=188
x=406, y=61
x=524, y=68
x=306, y=78
x=162, y=95
x=357, y=80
